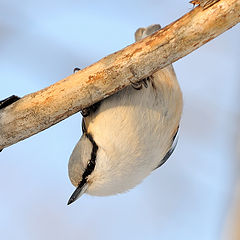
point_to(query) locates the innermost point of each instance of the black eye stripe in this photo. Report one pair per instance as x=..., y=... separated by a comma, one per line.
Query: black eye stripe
x=92, y=162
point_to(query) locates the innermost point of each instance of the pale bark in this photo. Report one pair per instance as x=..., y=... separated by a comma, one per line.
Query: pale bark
x=204, y=3
x=40, y=110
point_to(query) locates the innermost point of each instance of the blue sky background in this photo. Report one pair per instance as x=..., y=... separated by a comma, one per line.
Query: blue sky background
x=188, y=198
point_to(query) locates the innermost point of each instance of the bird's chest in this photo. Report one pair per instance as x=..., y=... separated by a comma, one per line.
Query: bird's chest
x=134, y=125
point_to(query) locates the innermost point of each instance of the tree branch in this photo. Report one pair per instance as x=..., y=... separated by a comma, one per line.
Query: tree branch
x=40, y=110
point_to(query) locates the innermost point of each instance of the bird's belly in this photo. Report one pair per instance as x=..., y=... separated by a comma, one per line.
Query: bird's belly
x=134, y=130
x=136, y=124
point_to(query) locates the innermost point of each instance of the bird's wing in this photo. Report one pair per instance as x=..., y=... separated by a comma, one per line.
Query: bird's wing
x=171, y=150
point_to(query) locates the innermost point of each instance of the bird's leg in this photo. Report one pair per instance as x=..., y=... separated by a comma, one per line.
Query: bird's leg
x=145, y=80
x=93, y=108
x=76, y=69
x=138, y=85
x=85, y=112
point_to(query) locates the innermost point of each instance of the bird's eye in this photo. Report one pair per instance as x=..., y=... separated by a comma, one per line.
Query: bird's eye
x=90, y=164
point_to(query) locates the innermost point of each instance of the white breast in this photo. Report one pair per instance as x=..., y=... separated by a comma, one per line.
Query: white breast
x=134, y=130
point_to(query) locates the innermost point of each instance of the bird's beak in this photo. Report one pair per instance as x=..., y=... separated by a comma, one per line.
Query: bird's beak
x=80, y=190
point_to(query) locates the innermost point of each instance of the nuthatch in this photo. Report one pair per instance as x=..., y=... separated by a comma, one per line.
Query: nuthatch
x=127, y=135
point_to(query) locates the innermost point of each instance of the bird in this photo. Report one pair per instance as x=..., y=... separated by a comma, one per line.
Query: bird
x=127, y=135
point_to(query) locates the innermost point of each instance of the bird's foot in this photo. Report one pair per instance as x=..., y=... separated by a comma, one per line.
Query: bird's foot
x=86, y=111
x=93, y=108
x=76, y=69
x=138, y=85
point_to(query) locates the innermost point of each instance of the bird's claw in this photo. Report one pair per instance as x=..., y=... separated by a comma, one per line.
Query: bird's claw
x=138, y=85
x=76, y=69
x=93, y=108
x=85, y=112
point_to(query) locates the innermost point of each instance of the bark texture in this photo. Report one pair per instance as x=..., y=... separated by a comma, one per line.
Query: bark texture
x=40, y=110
